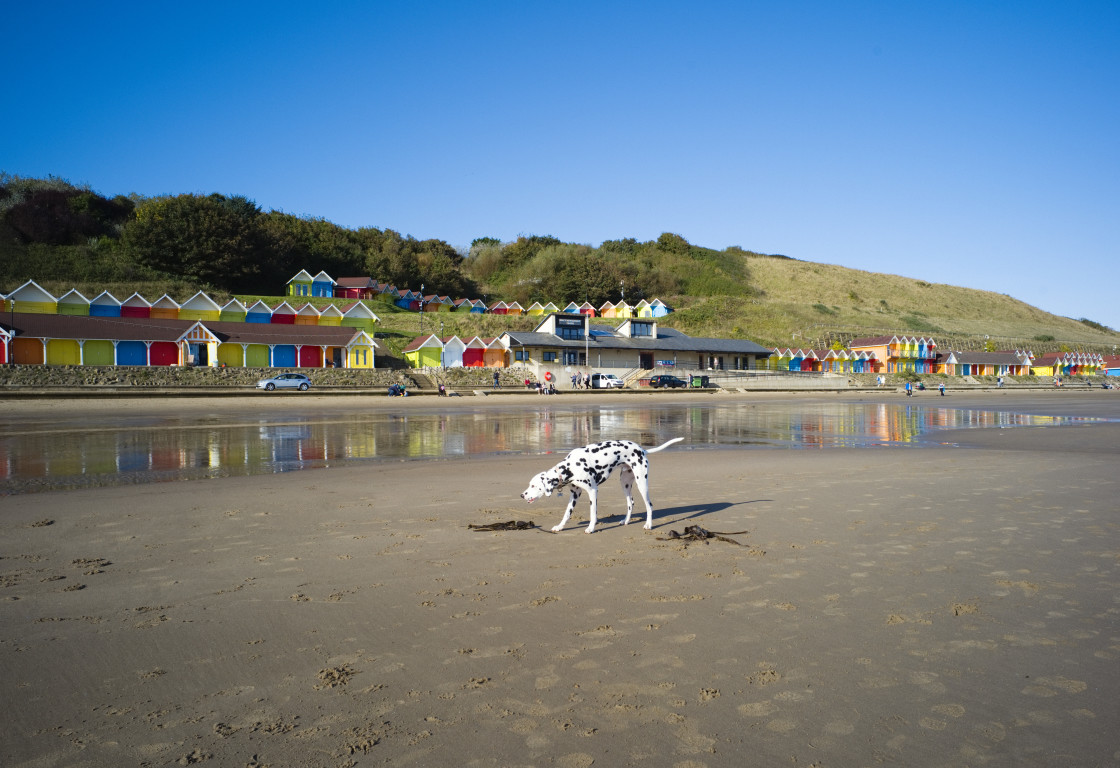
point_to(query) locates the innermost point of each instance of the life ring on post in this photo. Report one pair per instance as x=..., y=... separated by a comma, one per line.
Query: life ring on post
x=548, y=375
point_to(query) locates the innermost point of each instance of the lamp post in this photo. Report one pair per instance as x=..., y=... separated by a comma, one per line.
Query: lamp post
x=421, y=309
x=12, y=332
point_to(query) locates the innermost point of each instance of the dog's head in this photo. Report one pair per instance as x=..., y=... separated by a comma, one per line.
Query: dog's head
x=541, y=485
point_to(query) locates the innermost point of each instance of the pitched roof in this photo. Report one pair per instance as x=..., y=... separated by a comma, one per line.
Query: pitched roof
x=423, y=341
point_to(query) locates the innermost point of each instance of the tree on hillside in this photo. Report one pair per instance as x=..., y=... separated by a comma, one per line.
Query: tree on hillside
x=671, y=243
x=214, y=239
x=312, y=244
x=496, y=265
x=572, y=273
x=57, y=213
x=409, y=263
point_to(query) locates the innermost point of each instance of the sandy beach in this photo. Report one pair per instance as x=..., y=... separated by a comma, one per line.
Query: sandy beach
x=944, y=606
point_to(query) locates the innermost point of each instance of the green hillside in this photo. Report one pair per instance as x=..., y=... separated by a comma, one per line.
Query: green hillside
x=801, y=303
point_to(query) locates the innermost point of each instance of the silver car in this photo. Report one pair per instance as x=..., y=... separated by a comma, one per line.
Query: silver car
x=285, y=381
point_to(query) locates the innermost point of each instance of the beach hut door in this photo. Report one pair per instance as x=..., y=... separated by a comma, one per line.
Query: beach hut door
x=200, y=354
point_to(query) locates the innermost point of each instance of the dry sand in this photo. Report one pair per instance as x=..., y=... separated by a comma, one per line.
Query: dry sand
x=923, y=607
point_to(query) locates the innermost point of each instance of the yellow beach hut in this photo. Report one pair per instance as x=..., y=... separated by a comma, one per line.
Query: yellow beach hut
x=32, y=299
x=201, y=307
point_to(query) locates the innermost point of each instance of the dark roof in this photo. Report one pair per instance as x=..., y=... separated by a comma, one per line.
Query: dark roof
x=989, y=358
x=668, y=340
x=356, y=282
x=161, y=329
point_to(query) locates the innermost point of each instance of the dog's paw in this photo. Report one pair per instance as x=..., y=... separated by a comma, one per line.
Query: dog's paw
x=590, y=529
x=556, y=528
x=648, y=526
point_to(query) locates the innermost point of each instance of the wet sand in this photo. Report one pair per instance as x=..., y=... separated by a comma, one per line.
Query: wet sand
x=942, y=606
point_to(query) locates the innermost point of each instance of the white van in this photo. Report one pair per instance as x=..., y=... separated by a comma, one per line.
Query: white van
x=605, y=381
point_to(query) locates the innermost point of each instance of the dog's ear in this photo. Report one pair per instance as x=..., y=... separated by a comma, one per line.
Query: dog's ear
x=550, y=481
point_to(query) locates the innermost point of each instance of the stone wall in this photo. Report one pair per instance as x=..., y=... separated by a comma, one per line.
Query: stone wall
x=70, y=376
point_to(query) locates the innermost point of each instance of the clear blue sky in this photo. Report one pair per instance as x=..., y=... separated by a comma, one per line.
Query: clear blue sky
x=970, y=143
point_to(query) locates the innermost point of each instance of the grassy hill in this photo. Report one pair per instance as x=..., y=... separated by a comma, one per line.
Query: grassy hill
x=802, y=304
x=799, y=303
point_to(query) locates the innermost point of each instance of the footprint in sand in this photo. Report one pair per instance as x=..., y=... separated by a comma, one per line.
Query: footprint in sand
x=1054, y=686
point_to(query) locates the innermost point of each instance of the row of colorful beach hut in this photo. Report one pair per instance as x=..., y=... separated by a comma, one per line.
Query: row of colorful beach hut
x=432, y=351
x=901, y=354
x=323, y=285
x=33, y=299
x=37, y=328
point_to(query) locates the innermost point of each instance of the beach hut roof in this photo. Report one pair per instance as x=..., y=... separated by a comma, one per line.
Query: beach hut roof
x=431, y=340
x=73, y=296
x=359, y=309
x=32, y=291
x=135, y=300
x=356, y=282
x=201, y=301
x=106, y=299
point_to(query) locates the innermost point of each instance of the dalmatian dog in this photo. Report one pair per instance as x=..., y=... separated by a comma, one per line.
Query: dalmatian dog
x=586, y=468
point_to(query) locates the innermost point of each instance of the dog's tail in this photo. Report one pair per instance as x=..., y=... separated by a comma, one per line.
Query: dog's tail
x=666, y=445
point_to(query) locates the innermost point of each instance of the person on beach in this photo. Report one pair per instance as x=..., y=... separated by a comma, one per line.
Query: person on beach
x=909, y=389
x=941, y=389
x=497, y=381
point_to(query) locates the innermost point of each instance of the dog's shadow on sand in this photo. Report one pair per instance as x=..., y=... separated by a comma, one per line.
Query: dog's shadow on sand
x=676, y=515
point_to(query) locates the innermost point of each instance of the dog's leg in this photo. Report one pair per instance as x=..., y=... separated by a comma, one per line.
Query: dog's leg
x=627, y=478
x=593, y=499
x=568, y=510
x=641, y=482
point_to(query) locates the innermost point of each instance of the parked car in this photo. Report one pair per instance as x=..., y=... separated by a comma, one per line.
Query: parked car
x=605, y=381
x=285, y=381
x=672, y=382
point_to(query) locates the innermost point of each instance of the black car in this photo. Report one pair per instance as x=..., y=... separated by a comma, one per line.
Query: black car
x=667, y=381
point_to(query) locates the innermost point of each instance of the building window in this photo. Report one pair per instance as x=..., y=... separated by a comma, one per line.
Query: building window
x=641, y=329
x=570, y=328
x=521, y=355
x=549, y=357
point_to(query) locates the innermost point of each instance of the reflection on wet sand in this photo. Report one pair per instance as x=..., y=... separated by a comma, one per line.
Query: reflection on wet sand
x=179, y=449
